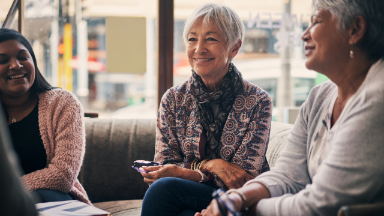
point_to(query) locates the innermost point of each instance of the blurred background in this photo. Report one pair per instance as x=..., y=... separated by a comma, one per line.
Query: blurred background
x=78, y=46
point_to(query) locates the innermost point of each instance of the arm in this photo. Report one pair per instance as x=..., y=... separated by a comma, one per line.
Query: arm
x=167, y=145
x=249, y=156
x=351, y=174
x=68, y=148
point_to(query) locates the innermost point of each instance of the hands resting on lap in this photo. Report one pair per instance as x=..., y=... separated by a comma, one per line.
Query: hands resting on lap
x=230, y=174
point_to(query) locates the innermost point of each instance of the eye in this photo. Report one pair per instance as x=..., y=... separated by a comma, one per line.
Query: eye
x=211, y=39
x=24, y=58
x=3, y=61
x=315, y=22
x=192, y=39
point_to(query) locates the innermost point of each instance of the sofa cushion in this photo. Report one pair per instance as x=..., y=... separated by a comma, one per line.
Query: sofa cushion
x=111, y=147
x=277, y=141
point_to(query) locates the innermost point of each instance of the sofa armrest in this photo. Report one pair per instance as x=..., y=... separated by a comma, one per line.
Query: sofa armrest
x=362, y=210
x=277, y=141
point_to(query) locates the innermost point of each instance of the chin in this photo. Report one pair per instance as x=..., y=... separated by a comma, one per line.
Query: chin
x=19, y=91
x=310, y=65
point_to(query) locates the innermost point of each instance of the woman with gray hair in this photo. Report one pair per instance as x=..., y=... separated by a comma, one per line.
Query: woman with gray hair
x=334, y=155
x=212, y=131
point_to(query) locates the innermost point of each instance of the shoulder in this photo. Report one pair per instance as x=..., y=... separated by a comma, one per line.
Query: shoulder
x=321, y=93
x=253, y=91
x=59, y=98
x=177, y=93
x=372, y=89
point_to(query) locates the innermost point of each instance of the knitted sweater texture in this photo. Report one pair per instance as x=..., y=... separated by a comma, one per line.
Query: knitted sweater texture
x=63, y=133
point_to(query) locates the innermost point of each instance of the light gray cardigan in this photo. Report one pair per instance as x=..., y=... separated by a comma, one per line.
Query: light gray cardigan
x=352, y=173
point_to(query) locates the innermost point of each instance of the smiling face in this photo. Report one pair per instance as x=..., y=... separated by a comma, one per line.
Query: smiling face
x=17, y=71
x=207, y=50
x=325, y=46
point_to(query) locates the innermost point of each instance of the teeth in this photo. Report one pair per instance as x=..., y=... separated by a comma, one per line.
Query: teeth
x=17, y=76
x=203, y=59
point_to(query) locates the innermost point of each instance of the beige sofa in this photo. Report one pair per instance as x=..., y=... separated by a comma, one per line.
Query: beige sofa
x=111, y=147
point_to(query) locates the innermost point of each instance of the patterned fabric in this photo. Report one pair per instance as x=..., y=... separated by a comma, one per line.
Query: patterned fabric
x=224, y=96
x=244, y=138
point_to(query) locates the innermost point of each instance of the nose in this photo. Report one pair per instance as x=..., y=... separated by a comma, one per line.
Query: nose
x=200, y=47
x=15, y=64
x=306, y=35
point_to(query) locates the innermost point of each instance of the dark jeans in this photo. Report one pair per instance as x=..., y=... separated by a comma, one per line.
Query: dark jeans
x=174, y=196
x=47, y=195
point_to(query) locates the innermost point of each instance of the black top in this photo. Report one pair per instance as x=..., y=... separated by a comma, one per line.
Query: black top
x=27, y=142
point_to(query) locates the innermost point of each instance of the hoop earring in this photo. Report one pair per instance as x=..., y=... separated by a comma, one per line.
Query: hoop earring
x=351, y=54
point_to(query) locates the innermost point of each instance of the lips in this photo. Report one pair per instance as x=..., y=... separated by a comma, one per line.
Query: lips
x=308, y=49
x=203, y=59
x=16, y=76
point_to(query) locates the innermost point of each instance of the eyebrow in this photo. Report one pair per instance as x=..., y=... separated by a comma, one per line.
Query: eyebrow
x=23, y=50
x=314, y=15
x=20, y=51
x=208, y=33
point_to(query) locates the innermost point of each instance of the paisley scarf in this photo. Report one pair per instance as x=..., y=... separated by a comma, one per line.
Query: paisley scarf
x=224, y=96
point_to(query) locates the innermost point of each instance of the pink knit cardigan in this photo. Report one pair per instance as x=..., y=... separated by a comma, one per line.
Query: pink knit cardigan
x=63, y=133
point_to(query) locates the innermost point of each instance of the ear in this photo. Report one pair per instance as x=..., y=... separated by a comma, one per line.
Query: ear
x=235, y=49
x=357, y=30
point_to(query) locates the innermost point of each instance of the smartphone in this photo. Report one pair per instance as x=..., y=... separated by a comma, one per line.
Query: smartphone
x=139, y=163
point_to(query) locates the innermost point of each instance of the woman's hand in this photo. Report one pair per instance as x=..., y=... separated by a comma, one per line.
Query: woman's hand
x=253, y=193
x=169, y=170
x=230, y=174
x=213, y=208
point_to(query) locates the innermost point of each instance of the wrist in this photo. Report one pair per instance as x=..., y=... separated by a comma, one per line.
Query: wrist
x=188, y=174
x=210, y=165
x=237, y=201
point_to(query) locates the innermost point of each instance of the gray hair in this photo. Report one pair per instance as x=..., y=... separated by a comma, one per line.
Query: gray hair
x=345, y=11
x=221, y=16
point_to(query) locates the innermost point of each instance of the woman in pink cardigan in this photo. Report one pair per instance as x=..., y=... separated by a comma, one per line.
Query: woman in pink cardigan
x=46, y=124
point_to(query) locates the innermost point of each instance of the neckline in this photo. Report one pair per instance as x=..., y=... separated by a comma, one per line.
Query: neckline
x=35, y=110
x=329, y=113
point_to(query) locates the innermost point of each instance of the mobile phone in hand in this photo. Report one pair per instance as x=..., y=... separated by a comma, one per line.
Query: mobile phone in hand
x=139, y=163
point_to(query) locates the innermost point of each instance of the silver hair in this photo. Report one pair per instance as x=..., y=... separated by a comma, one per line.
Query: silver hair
x=345, y=11
x=223, y=17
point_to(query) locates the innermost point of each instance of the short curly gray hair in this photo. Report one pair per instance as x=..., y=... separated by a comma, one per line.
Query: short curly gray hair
x=223, y=17
x=372, y=10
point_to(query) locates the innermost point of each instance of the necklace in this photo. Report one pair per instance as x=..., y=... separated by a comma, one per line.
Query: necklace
x=14, y=118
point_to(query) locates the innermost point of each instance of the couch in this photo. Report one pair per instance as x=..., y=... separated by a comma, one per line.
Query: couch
x=111, y=147
x=113, y=144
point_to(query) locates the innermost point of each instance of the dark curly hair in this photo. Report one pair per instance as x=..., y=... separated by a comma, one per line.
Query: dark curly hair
x=40, y=84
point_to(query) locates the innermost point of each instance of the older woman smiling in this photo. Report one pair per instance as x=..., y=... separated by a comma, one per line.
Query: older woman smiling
x=212, y=130
x=334, y=156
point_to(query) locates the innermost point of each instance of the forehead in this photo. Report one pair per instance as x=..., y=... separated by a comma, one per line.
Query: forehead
x=202, y=25
x=321, y=13
x=12, y=46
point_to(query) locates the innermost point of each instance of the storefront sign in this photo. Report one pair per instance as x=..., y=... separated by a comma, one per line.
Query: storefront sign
x=290, y=27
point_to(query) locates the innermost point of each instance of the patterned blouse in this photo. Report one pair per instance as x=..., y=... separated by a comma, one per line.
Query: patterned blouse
x=244, y=139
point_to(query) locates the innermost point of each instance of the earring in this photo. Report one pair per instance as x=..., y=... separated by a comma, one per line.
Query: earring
x=351, y=52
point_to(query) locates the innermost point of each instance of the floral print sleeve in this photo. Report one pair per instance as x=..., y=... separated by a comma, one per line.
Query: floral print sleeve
x=167, y=146
x=250, y=155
